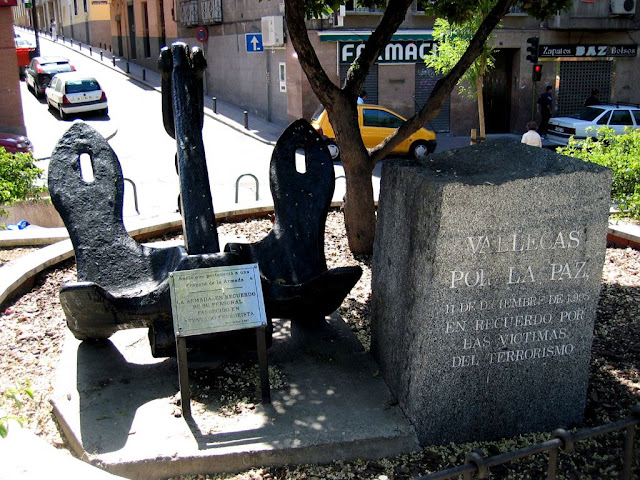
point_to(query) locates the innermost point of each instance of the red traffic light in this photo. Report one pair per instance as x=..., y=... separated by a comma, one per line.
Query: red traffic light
x=537, y=72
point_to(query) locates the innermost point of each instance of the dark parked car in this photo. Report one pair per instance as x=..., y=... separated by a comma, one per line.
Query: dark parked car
x=15, y=143
x=42, y=69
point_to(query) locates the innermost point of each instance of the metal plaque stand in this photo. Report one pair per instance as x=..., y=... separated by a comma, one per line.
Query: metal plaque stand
x=183, y=370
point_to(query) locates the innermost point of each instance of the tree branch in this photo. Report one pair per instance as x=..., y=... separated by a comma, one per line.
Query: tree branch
x=394, y=15
x=323, y=87
x=445, y=85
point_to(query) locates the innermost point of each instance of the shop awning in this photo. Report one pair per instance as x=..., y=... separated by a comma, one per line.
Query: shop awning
x=363, y=35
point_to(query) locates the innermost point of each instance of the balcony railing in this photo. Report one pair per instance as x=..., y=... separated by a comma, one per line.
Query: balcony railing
x=188, y=13
x=211, y=11
x=208, y=12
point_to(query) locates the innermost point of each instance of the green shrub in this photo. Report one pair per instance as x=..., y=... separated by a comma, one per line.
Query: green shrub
x=621, y=153
x=18, y=174
x=18, y=395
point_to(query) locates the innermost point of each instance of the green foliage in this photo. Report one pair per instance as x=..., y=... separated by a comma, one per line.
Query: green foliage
x=319, y=8
x=621, y=153
x=462, y=10
x=455, y=10
x=18, y=174
x=18, y=396
x=452, y=42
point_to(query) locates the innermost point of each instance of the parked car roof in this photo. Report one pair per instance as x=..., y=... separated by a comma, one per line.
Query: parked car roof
x=15, y=143
x=586, y=121
x=24, y=43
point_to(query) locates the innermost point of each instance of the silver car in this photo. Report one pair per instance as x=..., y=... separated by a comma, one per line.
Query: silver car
x=75, y=92
x=586, y=121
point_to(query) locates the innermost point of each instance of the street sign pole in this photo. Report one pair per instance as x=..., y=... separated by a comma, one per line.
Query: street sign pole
x=34, y=21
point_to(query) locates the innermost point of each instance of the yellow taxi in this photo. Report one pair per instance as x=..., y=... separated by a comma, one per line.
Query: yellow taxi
x=377, y=123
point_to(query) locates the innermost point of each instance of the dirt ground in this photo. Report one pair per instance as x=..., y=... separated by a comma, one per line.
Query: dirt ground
x=32, y=329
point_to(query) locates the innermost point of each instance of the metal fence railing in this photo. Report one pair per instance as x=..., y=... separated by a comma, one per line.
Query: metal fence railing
x=476, y=466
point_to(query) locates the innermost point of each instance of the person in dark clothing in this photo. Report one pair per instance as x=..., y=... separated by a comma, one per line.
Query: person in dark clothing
x=544, y=105
x=593, y=99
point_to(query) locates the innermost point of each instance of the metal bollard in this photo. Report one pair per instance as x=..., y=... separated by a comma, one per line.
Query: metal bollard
x=127, y=67
x=113, y=60
x=101, y=55
x=109, y=48
x=246, y=120
x=215, y=104
x=90, y=50
x=144, y=74
x=80, y=45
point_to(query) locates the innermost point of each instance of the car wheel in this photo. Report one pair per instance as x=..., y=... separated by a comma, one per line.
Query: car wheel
x=334, y=150
x=419, y=150
x=104, y=111
x=37, y=92
x=49, y=106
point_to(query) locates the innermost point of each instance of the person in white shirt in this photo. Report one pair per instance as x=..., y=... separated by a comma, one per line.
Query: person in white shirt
x=531, y=137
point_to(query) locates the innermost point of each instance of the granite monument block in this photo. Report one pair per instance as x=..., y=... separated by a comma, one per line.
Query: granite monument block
x=486, y=275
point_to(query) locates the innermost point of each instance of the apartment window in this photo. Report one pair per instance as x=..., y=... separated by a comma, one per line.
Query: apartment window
x=282, y=70
x=355, y=6
x=145, y=30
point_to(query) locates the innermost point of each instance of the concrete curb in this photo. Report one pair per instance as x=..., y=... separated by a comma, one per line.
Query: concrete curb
x=21, y=447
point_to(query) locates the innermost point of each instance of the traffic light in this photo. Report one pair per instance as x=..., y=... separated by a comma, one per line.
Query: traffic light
x=537, y=72
x=533, y=49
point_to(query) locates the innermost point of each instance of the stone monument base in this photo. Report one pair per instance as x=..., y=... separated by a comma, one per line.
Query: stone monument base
x=485, y=282
x=115, y=404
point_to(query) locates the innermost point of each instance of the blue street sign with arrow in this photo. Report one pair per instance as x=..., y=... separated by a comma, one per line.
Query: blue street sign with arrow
x=254, y=42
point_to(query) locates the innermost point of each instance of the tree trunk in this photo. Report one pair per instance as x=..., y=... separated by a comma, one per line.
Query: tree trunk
x=359, y=208
x=480, y=96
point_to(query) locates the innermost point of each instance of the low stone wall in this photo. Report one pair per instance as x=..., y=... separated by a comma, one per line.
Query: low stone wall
x=39, y=212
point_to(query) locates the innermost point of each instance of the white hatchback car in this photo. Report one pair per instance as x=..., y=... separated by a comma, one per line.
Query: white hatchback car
x=75, y=92
x=586, y=121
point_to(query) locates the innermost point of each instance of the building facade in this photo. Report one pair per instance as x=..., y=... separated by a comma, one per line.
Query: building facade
x=11, y=117
x=594, y=45
x=252, y=64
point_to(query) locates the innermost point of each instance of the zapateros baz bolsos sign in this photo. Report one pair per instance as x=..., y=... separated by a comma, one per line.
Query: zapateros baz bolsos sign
x=588, y=51
x=216, y=299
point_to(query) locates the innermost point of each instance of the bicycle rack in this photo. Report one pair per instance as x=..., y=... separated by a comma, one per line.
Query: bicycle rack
x=247, y=175
x=135, y=194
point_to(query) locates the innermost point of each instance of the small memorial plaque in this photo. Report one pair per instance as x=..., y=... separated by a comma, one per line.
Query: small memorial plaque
x=217, y=299
x=213, y=300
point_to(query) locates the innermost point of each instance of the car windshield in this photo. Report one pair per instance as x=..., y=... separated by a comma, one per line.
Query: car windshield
x=317, y=113
x=56, y=67
x=21, y=42
x=84, y=85
x=587, y=113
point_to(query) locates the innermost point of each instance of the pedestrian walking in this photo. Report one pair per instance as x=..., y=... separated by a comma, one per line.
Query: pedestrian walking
x=52, y=29
x=362, y=97
x=532, y=137
x=545, y=103
x=593, y=99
